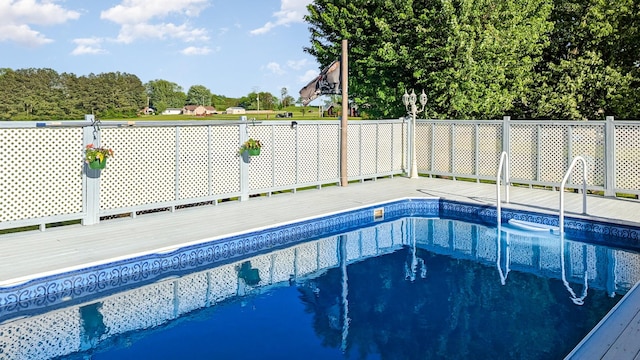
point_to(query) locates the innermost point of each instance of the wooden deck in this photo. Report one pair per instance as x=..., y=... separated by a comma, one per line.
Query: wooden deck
x=35, y=254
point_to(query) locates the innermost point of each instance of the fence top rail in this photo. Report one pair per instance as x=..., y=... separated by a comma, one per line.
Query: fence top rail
x=180, y=123
x=532, y=122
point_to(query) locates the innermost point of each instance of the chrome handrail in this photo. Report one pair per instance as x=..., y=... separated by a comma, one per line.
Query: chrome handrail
x=504, y=163
x=584, y=191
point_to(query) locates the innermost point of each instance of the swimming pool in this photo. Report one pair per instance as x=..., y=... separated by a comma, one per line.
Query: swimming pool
x=115, y=311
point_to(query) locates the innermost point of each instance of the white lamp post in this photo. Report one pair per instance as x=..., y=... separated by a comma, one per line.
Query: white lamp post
x=410, y=100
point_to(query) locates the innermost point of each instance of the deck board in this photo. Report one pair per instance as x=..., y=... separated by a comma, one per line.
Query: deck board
x=32, y=254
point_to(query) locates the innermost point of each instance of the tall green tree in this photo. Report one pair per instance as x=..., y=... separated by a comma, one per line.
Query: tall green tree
x=164, y=94
x=199, y=95
x=591, y=66
x=475, y=59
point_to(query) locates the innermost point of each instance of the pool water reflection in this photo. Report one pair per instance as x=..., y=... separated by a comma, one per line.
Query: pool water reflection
x=411, y=288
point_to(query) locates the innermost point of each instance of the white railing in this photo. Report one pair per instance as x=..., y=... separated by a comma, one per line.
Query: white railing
x=584, y=191
x=504, y=163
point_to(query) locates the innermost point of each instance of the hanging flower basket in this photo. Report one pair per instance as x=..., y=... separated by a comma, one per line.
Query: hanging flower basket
x=97, y=164
x=252, y=146
x=96, y=157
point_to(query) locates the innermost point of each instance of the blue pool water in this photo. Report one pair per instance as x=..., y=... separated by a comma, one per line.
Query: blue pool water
x=405, y=288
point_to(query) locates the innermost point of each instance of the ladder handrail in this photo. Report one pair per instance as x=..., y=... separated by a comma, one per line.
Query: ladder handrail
x=504, y=163
x=584, y=191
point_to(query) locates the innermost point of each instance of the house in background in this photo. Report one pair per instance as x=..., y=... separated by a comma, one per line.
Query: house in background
x=172, y=111
x=333, y=109
x=236, y=110
x=198, y=110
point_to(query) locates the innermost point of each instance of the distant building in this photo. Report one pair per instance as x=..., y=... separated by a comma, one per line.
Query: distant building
x=236, y=110
x=198, y=110
x=172, y=111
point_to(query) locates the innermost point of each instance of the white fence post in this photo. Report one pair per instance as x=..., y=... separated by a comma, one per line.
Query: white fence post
x=90, y=180
x=244, y=161
x=506, y=133
x=609, y=157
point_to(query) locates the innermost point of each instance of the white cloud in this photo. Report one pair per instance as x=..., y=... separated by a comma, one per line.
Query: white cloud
x=275, y=68
x=140, y=11
x=194, y=50
x=17, y=16
x=139, y=20
x=291, y=11
x=130, y=33
x=308, y=76
x=297, y=64
x=89, y=46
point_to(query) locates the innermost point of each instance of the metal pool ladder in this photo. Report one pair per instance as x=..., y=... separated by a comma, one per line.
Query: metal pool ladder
x=584, y=191
x=504, y=163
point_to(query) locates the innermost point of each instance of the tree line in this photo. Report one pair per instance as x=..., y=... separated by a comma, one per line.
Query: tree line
x=44, y=94
x=532, y=59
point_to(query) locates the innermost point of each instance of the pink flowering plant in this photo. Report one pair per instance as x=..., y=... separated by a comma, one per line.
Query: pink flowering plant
x=92, y=153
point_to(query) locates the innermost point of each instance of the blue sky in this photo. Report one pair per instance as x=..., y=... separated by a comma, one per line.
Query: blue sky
x=232, y=47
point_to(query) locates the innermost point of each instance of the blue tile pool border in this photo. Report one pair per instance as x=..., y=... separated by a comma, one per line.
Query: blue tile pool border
x=100, y=280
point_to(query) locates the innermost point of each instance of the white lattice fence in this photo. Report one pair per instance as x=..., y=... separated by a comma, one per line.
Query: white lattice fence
x=523, y=152
x=489, y=149
x=465, y=149
x=40, y=172
x=424, y=143
x=193, y=167
x=354, y=145
x=588, y=142
x=143, y=170
x=328, y=150
x=224, y=160
x=627, y=155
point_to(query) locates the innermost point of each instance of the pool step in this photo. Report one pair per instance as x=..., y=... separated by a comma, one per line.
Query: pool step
x=531, y=226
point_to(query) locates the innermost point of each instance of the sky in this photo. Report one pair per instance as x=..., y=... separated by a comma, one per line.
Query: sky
x=232, y=47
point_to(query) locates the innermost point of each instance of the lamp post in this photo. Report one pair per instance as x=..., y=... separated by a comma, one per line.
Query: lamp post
x=410, y=104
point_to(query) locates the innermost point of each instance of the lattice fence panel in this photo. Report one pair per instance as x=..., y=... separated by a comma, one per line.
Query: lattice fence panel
x=400, y=147
x=442, y=146
x=143, y=169
x=142, y=308
x=369, y=148
x=354, y=146
x=588, y=142
x=40, y=172
x=193, y=167
x=225, y=162
x=307, y=153
x=627, y=269
x=627, y=157
x=261, y=167
x=489, y=149
x=45, y=336
x=487, y=247
x=521, y=250
x=283, y=265
x=329, y=148
x=465, y=149
x=386, y=147
x=191, y=292
x=462, y=241
x=523, y=152
x=284, y=155
x=424, y=137
x=553, y=153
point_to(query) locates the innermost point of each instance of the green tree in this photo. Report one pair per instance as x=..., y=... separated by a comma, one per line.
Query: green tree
x=199, y=95
x=591, y=66
x=473, y=58
x=165, y=93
